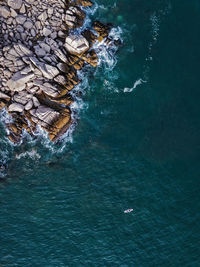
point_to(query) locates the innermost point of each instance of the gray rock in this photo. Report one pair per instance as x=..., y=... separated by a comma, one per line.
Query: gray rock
x=36, y=103
x=7, y=73
x=15, y=107
x=28, y=24
x=26, y=70
x=4, y=12
x=46, y=31
x=22, y=50
x=22, y=97
x=43, y=16
x=46, y=115
x=23, y=9
x=23, y=36
x=18, y=81
x=50, y=11
x=18, y=63
x=53, y=35
x=13, y=52
x=4, y=96
x=38, y=25
x=20, y=19
x=13, y=13
x=20, y=29
x=62, y=67
x=61, y=55
x=76, y=44
x=33, y=33
x=49, y=90
x=39, y=51
x=48, y=71
x=61, y=34
x=74, y=14
x=61, y=80
x=9, y=22
x=15, y=4
x=33, y=90
x=45, y=47
x=70, y=20
x=29, y=105
x=30, y=1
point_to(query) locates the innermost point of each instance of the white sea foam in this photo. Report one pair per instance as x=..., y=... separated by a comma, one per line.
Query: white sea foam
x=32, y=154
x=138, y=82
x=106, y=52
x=5, y=117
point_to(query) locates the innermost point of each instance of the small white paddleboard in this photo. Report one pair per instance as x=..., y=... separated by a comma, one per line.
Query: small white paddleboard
x=128, y=210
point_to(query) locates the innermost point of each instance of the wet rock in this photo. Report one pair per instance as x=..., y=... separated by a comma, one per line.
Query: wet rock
x=84, y=3
x=74, y=17
x=101, y=29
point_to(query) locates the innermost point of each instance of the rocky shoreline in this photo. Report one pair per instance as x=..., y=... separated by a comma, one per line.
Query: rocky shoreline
x=40, y=54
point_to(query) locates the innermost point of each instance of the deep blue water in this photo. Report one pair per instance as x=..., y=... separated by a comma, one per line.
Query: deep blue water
x=63, y=205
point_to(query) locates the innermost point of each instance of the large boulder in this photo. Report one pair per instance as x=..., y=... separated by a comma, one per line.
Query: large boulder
x=15, y=107
x=76, y=44
x=15, y=4
x=18, y=81
x=47, y=70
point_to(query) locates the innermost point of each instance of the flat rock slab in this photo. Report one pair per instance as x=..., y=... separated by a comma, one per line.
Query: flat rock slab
x=15, y=107
x=18, y=81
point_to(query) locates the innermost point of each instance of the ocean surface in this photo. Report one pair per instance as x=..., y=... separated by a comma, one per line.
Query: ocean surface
x=135, y=144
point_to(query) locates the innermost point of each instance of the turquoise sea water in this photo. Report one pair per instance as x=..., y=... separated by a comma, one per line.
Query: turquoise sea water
x=63, y=205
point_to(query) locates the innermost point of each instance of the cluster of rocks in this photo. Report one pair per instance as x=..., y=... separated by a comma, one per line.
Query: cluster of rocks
x=39, y=58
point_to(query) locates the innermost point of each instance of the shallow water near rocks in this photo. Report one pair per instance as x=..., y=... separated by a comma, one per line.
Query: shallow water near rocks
x=63, y=204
